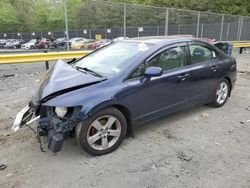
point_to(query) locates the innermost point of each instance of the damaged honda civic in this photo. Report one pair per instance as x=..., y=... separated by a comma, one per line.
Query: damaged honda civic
x=103, y=95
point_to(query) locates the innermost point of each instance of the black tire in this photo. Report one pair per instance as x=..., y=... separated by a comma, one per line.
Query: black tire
x=82, y=130
x=214, y=102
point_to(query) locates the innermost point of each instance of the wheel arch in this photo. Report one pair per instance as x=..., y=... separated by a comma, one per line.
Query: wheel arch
x=230, y=84
x=127, y=114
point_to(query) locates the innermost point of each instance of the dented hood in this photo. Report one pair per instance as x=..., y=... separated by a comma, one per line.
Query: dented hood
x=63, y=78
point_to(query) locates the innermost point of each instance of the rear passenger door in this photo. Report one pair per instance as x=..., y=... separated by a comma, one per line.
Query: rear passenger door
x=206, y=69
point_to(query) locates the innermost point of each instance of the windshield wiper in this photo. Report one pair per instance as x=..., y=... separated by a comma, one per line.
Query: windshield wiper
x=88, y=70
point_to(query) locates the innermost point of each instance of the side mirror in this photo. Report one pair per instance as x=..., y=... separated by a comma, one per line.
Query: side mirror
x=153, y=72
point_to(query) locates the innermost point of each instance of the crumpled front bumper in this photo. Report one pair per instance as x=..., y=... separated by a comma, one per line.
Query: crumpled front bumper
x=49, y=124
x=25, y=117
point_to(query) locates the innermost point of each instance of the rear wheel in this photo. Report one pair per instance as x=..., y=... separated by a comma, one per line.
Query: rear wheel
x=221, y=94
x=103, y=132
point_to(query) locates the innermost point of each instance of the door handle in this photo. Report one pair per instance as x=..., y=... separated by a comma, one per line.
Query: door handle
x=214, y=68
x=183, y=77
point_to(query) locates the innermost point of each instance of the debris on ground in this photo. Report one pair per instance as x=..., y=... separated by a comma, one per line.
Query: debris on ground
x=132, y=170
x=93, y=183
x=8, y=75
x=37, y=81
x=218, y=144
x=99, y=173
x=205, y=115
x=3, y=166
x=244, y=72
x=184, y=156
x=168, y=134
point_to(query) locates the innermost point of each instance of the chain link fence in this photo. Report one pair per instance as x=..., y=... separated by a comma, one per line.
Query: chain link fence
x=46, y=19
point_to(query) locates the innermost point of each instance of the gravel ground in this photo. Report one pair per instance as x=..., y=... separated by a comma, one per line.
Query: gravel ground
x=200, y=147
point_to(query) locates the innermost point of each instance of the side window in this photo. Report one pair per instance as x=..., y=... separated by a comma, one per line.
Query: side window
x=200, y=53
x=137, y=72
x=169, y=59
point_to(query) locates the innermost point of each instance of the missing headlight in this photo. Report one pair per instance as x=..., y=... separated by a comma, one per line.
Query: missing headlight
x=61, y=111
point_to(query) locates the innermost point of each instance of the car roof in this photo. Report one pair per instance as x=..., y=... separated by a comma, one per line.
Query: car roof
x=165, y=39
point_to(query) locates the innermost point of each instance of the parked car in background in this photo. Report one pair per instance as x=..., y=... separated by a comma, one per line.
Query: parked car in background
x=29, y=45
x=74, y=40
x=98, y=44
x=43, y=43
x=58, y=43
x=13, y=43
x=103, y=95
x=3, y=42
x=119, y=39
x=81, y=44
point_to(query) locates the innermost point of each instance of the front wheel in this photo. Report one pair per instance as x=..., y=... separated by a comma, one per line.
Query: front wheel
x=103, y=132
x=221, y=94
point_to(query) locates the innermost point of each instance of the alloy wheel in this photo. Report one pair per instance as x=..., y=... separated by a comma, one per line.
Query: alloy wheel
x=221, y=93
x=104, y=132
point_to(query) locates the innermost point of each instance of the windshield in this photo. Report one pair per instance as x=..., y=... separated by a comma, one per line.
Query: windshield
x=112, y=59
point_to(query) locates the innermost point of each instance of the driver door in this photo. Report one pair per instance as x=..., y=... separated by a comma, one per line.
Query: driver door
x=169, y=92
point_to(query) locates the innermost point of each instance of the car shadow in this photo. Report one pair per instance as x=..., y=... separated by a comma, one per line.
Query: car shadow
x=166, y=121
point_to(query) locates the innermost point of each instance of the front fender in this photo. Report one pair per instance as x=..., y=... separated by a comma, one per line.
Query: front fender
x=90, y=99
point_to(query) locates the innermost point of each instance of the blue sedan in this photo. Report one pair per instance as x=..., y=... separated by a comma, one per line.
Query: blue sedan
x=102, y=96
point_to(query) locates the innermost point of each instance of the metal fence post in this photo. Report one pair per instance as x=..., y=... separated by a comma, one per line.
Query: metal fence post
x=66, y=23
x=238, y=31
x=166, y=22
x=228, y=28
x=179, y=29
x=158, y=30
x=202, y=27
x=124, y=20
x=46, y=62
x=221, y=27
x=241, y=24
x=90, y=37
x=198, y=24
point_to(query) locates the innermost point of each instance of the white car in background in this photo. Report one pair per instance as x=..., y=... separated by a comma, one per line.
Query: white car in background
x=75, y=40
x=29, y=45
